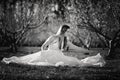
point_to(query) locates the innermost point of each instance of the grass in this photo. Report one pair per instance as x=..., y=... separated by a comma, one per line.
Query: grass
x=111, y=71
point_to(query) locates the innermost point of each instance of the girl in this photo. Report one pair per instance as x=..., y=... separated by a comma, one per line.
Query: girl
x=52, y=53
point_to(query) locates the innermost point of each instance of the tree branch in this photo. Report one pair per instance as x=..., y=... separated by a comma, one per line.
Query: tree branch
x=36, y=26
x=96, y=30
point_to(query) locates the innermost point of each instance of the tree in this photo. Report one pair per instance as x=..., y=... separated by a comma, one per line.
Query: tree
x=100, y=17
x=18, y=19
x=96, y=21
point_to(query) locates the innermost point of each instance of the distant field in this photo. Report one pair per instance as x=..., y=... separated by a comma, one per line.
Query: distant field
x=111, y=71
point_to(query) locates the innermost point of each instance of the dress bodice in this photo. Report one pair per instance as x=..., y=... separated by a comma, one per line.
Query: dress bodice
x=54, y=45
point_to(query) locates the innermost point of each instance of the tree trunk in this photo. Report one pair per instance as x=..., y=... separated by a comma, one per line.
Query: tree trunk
x=13, y=47
x=111, y=52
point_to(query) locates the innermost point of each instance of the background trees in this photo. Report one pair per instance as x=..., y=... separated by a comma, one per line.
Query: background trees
x=17, y=18
x=93, y=23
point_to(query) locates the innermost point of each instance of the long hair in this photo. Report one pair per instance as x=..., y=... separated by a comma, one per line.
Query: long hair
x=62, y=43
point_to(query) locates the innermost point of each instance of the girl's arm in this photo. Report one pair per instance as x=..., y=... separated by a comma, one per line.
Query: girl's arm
x=47, y=42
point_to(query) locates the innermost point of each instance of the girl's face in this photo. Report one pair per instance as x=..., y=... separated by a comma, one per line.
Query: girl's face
x=64, y=30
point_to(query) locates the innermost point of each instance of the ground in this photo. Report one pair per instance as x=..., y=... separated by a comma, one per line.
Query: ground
x=111, y=71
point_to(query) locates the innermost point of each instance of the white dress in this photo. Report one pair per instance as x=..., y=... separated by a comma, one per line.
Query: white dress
x=54, y=57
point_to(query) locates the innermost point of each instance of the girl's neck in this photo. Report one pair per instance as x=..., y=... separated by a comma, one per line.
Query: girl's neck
x=62, y=35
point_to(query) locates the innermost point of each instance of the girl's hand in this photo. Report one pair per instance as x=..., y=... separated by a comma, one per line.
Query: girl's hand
x=44, y=47
x=62, y=50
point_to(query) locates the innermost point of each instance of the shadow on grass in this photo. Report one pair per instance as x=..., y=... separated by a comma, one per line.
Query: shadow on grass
x=22, y=72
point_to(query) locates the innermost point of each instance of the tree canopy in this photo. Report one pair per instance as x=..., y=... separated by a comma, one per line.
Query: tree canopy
x=93, y=23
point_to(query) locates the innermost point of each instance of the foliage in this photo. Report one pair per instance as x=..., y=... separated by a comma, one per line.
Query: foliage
x=93, y=23
x=18, y=19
